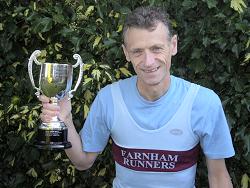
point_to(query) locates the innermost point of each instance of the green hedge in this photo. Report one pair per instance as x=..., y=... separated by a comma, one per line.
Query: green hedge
x=214, y=40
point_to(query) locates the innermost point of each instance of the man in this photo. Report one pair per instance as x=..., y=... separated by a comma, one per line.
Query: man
x=156, y=121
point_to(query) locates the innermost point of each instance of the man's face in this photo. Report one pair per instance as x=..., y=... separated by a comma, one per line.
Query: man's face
x=150, y=53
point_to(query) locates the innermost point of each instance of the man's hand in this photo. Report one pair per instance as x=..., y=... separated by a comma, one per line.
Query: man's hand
x=49, y=110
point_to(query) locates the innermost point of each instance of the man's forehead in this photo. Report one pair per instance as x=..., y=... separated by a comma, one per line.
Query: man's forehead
x=139, y=36
x=158, y=27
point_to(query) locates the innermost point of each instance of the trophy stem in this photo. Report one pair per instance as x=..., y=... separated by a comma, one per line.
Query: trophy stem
x=54, y=100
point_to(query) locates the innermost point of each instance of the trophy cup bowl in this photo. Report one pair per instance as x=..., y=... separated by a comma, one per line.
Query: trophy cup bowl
x=55, y=82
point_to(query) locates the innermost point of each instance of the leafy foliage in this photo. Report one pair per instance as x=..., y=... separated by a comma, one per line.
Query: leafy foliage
x=214, y=40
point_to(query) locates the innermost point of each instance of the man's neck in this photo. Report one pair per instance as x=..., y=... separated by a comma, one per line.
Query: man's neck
x=153, y=92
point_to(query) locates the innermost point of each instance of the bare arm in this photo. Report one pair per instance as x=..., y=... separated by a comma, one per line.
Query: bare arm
x=82, y=160
x=218, y=175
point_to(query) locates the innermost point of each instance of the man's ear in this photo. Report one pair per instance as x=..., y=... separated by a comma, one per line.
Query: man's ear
x=125, y=52
x=174, y=42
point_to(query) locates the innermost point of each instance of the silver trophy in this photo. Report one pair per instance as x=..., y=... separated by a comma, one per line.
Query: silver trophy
x=55, y=82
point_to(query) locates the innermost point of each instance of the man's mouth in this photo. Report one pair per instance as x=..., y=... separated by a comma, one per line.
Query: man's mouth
x=151, y=70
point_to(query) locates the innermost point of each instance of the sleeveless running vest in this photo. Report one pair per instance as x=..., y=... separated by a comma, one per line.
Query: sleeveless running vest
x=160, y=158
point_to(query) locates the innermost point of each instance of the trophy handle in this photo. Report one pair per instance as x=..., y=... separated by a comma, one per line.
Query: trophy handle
x=31, y=59
x=79, y=62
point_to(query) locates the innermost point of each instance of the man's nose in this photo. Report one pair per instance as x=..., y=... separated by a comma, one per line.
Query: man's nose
x=149, y=58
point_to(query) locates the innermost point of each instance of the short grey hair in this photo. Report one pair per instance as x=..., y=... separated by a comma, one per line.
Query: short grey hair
x=147, y=18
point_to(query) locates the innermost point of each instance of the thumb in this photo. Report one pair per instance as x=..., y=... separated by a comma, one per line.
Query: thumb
x=43, y=98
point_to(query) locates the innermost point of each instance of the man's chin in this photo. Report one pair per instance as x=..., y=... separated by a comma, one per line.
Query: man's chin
x=152, y=82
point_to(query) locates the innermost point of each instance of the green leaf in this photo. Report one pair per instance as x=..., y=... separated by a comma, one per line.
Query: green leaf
x=58, y=18
x=238, y=5
x=105, y=66
x=30, y=135
x=247, y=143
x=32, y=172
x=1, y=26
x=102, y=172
x=188, y=4
x=43, y=25
x=97, y=40
x=237, y=109
x=40, y=182
x=99, y=11
x=54, y=176
x=24, y=111
x=247, y=57
x=77, y=109
x=220, y=15
x=197, y=65
x=86, y=111
x=248, y=43
x=109, y=76
x=15, y=116
x=244, y=181
x=89, y=10
x=88, y=96
x=58, y=156
x=125, y=71
x=87, y=80
x=58, y=46
x=87, y=66
x=119, y=29
x=205, y=41
x=235, y=50
x=196, y=54
x=211, y=3
x=96, y=74
x=71, y=170
x=1, y=113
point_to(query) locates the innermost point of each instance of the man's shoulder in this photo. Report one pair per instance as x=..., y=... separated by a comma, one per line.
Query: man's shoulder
x=208, y=94
x=205, y=96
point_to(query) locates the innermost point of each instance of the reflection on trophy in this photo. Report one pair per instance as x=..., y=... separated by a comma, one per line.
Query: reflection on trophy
x=55, y=82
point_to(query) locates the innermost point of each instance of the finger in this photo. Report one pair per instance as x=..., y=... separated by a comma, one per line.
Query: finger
x=44, y=99
x=49, y=106
x=64, y=100
x=50, y=113
x=45, y=118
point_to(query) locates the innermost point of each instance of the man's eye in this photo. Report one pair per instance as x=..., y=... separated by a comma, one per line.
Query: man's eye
x=156, y=49
x=137, y=52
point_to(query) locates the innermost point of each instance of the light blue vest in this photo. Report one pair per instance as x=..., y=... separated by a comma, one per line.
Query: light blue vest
x=161, y=158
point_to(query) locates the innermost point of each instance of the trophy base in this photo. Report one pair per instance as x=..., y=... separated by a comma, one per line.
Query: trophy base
x=53, y=146
x=52, y=135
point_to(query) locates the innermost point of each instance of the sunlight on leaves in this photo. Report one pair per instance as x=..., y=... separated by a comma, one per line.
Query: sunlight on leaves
x=244, y=181
x=238, y=5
